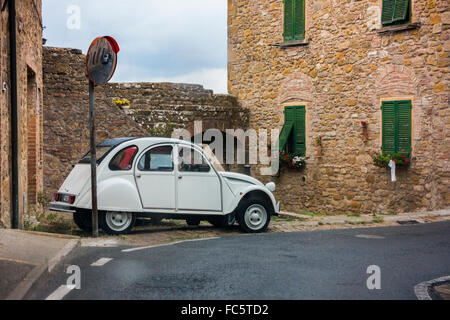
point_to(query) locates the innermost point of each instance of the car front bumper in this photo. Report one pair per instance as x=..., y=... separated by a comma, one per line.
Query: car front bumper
x=277, y=208
x=54, y=206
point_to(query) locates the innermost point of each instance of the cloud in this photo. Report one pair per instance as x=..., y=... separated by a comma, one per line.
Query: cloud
x=170, y=39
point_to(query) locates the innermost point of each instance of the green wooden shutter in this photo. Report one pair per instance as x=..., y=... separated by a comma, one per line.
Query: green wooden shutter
x=299, y=19
x=403, y=113
x=284, y=135
x=387, y=13
x=299, y=130
x=400, y=10
x=388, y=127
x=288, y=20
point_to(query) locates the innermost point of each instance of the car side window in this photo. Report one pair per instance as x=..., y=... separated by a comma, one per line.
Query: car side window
x=190, y=160
x=157, y=159
x=123, y=160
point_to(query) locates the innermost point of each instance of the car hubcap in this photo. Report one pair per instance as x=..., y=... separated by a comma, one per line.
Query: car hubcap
x=255, y=217
x=118, y=221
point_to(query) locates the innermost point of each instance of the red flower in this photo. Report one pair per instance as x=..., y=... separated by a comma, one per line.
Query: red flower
x=407, y=160
x=395, y=160
x=403, y=151
x=403, y=156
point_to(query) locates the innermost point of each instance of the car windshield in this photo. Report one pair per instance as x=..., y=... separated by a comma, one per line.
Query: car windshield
x=212, y=157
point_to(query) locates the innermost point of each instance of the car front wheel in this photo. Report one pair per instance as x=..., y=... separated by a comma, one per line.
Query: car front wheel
x=117, y=222
x=254, y=216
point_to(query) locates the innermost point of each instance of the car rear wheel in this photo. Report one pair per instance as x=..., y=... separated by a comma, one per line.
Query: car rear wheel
x=254, y=216
x=83, y=220
x=192, y=221
x=117, y=222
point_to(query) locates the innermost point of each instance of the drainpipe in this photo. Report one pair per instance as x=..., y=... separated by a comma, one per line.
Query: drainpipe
x=14, y=114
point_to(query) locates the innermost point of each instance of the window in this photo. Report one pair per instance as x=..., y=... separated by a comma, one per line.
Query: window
x=292, y=136
x=395, y=12
x=157, y=159
x=190, y=160
x=123, y=160
x=396, y=126
x=294, y=20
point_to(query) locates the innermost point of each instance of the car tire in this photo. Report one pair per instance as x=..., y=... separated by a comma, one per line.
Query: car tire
x=117, y=223
x=83, y=220
x=193, y=221
x=253, y=216
x=223, y=221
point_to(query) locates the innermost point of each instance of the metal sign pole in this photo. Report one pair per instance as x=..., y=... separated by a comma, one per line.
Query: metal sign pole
x=93, y=161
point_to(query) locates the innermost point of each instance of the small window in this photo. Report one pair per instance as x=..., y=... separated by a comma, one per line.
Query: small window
x=157, y=159
x=396, y=127
x=294, y=20
x=123, y=160
x=190, y=160
x=293, y=134
x=395, y=12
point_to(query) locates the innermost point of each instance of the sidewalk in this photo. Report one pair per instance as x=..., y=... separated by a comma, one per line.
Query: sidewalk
x=337, y=220
x=26, y=256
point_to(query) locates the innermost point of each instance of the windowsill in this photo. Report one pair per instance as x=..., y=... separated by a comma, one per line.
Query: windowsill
x=295, y=43
x=401, y=27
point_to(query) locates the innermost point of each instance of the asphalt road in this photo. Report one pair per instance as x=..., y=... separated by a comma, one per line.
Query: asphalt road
x=303, y=265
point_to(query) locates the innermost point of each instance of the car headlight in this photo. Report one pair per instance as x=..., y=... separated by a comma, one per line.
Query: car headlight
x=271, y=186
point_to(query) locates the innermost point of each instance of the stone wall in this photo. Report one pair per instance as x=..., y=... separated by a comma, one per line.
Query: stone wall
x=66, y=106
x=29, y=91
x=342, y=73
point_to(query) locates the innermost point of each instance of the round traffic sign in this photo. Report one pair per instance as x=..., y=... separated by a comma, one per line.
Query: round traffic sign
x=101, y=60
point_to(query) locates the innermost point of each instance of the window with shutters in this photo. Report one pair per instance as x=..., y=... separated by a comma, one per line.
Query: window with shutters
x=395, y=12
x=396, y=127
x=293, y=134
x=294, y=20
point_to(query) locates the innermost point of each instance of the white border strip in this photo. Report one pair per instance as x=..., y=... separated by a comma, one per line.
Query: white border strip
x=61, y=292
x=167, y=244
x=101, y=262
x=421, y=290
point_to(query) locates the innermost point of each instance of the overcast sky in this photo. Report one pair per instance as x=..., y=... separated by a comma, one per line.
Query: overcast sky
x=160, y=40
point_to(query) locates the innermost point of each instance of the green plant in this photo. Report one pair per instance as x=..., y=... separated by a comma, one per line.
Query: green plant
x=162, y=131
x=378, y=220
x=307, y=213
x=292, y=160
x=382, y=159
x=319, y=141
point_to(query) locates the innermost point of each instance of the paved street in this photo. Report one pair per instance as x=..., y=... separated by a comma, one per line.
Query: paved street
x=328, y=264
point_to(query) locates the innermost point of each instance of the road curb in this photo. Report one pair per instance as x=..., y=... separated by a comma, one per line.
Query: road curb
x=424, y=290
x=34, y=275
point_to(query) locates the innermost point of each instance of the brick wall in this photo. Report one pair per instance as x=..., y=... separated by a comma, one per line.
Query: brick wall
x=29, y=77
x=342, y=72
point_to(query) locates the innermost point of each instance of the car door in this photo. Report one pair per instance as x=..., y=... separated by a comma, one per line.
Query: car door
x=198, y=184
x=155, y=178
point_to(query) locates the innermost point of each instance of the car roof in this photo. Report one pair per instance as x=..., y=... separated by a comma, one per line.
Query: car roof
x=113, y=142
x=117, y=141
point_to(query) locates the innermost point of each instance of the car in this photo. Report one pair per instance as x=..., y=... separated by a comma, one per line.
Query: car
x=163, y=178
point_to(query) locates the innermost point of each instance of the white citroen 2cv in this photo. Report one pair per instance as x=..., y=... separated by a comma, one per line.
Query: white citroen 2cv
x=163, y=178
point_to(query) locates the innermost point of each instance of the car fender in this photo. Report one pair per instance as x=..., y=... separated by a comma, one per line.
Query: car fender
x=241, y=193
x=118, y=193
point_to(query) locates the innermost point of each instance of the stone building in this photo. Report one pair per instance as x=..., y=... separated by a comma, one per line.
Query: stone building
x=321, y=68
x=29, y=100
x=153, y=105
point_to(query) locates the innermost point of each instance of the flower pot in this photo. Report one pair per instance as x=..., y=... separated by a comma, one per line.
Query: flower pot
x=319, y=151
x=365, y=134
x=125, y=107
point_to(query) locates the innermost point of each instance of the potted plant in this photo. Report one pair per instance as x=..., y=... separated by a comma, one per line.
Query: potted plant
x=364, y=127
x=382, y=159
x=123, y=104
x=319, y=146
x=292, y=160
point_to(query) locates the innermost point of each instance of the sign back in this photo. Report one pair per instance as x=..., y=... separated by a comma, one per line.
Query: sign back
x=101, y=60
